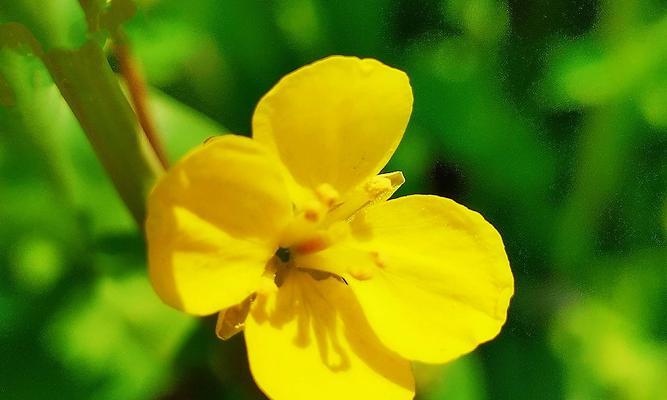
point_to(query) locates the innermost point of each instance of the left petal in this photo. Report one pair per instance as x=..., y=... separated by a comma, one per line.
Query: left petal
x=336, y=121
x=432, y=276
x=309, y=340
x=214, y=220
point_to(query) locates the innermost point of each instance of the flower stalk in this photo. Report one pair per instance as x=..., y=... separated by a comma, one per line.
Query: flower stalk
x=136, y=86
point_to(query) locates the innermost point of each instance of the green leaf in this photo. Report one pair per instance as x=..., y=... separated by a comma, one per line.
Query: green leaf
x=604, y=352
x=119, y=334
x=462, y=379
x=54, y=23
x=182, y=127
x=599, y=70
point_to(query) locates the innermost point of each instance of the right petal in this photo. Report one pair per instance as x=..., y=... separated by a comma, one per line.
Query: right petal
x=213, y=222
x=431, y=276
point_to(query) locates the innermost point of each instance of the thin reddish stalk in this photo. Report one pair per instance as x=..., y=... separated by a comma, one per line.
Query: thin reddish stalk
x=136, y=84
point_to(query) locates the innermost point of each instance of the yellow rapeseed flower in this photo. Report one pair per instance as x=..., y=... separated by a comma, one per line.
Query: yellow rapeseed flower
x=290, y=236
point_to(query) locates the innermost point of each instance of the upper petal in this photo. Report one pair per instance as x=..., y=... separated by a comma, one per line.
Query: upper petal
x=336, y=121
x=310, y=340
x=213, y=222
x=436, y=279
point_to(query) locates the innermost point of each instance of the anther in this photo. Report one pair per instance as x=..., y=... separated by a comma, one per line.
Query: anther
x=318, y=242
x=378, y=260
x=327, y=195
x=313, y=212
x=377, y=185
x=311, y=215
x=361, y=273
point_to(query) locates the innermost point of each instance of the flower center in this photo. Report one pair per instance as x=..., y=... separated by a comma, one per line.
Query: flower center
x=283, y=254
x=307, y=231
x=322, y=220
x=283, y=265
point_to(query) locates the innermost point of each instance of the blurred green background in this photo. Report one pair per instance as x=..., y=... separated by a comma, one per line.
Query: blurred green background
x=548, y=117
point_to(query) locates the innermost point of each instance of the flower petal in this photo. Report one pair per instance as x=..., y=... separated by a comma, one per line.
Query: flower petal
x=336, y=121
x=213, y=222
x=434, y=279
x=309, y=340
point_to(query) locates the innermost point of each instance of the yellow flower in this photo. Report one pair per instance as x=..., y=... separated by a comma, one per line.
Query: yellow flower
x=291, y=237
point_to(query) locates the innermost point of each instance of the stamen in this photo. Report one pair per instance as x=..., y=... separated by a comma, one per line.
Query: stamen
x=378, y=260
x=313, y=211
x=327, y=195
x=317, y=243
x=363, y=270
x=303, y=225
x=374, y=190
x=377, y=186
x=308, y=219
x=362, y=273
x=322, y=239
x=311, y=215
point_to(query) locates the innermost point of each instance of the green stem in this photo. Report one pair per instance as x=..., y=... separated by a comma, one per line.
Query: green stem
x=92, y=91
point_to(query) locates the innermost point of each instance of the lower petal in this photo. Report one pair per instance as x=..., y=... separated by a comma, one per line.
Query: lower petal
x=309, y=340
